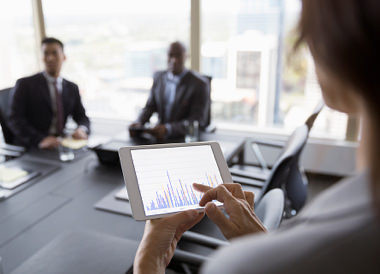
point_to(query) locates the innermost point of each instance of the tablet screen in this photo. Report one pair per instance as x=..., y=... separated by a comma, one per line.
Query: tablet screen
x=165, y=177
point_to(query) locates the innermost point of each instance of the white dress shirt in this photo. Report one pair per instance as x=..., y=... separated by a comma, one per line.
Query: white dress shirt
x=172, y=82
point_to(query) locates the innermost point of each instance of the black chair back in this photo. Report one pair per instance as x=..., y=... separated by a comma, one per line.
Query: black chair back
x=286, y=173
x=5, y=98
x=208, y=113
x=310, y=120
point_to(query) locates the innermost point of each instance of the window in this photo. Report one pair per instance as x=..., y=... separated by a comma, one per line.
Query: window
x=238, y=49
x=17, y=43
x=299, y=88
x=114, y=47
x=258, y=82
x=248, y=69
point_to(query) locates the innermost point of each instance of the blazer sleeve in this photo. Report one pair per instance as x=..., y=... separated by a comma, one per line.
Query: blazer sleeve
x=151, y=104
x=198, y=112
x=25, y=134
x=79, y=112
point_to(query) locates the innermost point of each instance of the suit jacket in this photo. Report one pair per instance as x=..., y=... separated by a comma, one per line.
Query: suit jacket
x=191, y=102
x=337, y=233
x=31, y=110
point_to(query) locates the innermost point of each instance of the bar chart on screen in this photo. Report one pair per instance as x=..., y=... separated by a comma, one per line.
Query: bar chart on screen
x=166, y=176
x=180, y=195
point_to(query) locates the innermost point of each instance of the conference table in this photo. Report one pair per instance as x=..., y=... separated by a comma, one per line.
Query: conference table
x=64, y=200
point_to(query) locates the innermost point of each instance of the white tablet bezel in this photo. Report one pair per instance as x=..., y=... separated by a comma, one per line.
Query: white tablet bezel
x=130, y=177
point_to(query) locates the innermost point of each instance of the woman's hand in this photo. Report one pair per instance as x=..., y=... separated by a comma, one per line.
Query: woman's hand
x=237, y=203
x=160, y=240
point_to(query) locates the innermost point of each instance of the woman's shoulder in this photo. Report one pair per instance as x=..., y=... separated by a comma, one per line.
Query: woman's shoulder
x=350, y=194
x=327, y=248
x=338, y=226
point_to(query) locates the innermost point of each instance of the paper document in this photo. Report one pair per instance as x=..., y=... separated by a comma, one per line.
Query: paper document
x=10, y=174
x=74, y=143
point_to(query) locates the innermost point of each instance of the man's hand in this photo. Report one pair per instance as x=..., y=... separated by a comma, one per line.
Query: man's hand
x=49, y=142
x=132, y=126
x=159, y=131
x=237, y=203
x=80, y=134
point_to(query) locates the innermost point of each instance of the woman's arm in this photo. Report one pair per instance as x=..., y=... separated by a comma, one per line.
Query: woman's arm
x=162, y=235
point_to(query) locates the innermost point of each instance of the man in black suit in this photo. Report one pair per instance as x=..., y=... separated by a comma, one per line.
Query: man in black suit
x=42, y=103
x=177, y=95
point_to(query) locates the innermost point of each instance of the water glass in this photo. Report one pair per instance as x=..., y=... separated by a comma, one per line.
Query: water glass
x=66, y=154
x=192, y=131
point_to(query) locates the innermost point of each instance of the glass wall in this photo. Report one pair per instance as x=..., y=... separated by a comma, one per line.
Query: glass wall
x=17, y=43
x=298, y=90
x=258, y=81
x=113, y=48
x=239, y=43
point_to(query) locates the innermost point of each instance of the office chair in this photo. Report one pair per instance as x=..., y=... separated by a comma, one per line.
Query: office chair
x=270, y=211
x=271, y=208
x=4, y=112
x=286, y=172
x=209, y=128
x=7, y=149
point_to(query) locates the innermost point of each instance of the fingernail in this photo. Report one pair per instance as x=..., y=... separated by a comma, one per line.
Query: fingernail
x=211, y=207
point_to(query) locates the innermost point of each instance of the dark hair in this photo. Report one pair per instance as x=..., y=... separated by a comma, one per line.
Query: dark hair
x=52, y=40
x=178, y=44
x=344, y=38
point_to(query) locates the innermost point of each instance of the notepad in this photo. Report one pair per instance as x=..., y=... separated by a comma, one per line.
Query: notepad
x=12, y=177
x=74, y=143
x=11, y=174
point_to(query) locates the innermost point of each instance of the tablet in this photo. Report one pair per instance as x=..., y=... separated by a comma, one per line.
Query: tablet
x=159, y=178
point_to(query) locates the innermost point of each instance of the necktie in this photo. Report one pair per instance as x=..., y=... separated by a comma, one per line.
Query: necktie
x=59, y=108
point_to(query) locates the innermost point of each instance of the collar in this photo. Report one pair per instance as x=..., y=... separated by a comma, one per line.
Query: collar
x=52, y=79
x=176, y=78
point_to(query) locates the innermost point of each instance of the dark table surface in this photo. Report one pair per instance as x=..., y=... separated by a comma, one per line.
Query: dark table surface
x=64, y=201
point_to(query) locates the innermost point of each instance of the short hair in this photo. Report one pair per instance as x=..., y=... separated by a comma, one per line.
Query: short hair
x=51, y=40
x=178, y=44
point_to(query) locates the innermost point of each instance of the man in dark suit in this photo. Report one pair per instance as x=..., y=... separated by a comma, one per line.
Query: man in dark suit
x=177, y=95
x=42, y=103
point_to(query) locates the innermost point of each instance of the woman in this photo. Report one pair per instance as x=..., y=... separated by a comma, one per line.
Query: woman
x=340, y=231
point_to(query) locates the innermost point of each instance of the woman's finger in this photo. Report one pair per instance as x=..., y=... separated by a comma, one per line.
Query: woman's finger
x=250, y=198
x=236, y=190
x=201, y=188
x=181, y=217
x=219, y=193
x=217, y=216
x=186, y=226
